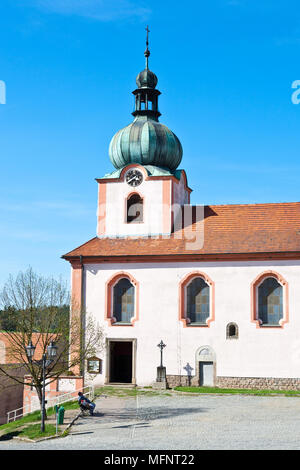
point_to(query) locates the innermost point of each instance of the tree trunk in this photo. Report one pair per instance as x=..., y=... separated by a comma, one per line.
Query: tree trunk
x=39, y=392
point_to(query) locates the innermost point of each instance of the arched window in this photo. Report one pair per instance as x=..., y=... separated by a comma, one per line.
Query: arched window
x=196, y=300
x=270, y=301
x=134, y=209
x=123, y=301
x=232, y=331
x=198, y=303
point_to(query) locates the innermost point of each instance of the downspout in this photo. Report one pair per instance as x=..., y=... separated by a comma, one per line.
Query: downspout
x=82, y=317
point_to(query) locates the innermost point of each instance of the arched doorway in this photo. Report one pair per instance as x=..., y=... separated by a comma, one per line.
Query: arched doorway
x=206, y=366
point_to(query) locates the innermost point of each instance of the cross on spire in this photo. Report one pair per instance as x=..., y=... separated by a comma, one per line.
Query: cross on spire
x=147, y=52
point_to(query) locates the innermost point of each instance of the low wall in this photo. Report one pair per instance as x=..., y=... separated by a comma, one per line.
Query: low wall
x=260, y=383
x=60, y=386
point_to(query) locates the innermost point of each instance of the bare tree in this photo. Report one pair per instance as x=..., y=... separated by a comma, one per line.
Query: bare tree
x=40, y=310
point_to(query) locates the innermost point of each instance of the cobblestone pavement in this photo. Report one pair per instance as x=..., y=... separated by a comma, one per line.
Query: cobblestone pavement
x=183, y=422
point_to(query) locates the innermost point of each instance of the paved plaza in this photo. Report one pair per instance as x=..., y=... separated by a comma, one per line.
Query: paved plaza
x=204, y=422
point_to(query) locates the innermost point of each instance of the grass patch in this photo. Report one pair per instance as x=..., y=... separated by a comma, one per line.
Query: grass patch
x=238, y=391
x=13, y=428
x=127, y=392
x=35, y=416
x=34, y=431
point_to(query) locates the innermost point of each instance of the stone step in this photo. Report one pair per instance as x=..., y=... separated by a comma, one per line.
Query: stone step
x=120, y=385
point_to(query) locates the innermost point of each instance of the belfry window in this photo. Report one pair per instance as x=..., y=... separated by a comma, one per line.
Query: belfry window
x=270, y=302
x=123, y=301
x=134, y=209
x=198, y=302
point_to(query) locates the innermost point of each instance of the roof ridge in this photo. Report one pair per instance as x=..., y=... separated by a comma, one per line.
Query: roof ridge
x=254, y=204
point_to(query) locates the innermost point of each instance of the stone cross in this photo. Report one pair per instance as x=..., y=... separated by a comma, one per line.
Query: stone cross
x=161, y=345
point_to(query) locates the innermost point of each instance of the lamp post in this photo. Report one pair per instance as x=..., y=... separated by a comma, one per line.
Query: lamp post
x=44, y=362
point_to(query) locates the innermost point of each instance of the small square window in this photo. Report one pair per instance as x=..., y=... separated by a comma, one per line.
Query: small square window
x=94, y=365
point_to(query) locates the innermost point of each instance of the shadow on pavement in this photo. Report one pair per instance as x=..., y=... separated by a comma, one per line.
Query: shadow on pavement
x=147, y=414
x=9, y=435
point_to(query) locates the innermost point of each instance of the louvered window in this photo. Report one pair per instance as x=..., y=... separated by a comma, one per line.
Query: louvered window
x=134, y=209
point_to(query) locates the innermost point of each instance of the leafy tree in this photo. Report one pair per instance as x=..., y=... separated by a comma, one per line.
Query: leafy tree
x=7, y=319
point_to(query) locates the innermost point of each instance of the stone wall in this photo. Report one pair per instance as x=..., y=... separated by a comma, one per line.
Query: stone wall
x=182, y=381
x=260, y=383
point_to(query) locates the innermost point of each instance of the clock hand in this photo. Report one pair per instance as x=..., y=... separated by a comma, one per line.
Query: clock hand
x=131, y=179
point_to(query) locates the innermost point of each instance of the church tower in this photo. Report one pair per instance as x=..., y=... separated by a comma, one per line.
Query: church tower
x=222, y=292
x=141, y=197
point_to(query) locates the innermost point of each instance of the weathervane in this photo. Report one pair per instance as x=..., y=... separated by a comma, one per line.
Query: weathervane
x=147, y=52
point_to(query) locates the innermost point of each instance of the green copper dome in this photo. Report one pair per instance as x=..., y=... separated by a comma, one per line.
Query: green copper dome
x=146, y=141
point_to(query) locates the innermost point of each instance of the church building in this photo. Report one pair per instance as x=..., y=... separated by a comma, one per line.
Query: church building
x=219, y=285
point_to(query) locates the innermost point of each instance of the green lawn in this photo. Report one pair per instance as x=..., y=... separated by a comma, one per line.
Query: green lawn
x=237, y=391
x=36, y=416
x=9, y=430
x=33, y=431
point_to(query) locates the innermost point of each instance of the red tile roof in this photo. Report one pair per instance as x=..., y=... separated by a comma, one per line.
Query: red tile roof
x=228, y=229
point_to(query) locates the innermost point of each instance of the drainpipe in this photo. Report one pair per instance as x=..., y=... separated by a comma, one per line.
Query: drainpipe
x=82, y=314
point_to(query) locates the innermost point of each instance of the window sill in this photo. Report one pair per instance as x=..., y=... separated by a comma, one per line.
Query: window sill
x=266, y=325
x=134, y=222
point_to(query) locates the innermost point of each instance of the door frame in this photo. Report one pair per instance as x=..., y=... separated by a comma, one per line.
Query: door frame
x=205, y=354
x=107, y=357
x=202, y=374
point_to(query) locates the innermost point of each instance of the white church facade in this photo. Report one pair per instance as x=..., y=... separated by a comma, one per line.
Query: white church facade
x=219, y=285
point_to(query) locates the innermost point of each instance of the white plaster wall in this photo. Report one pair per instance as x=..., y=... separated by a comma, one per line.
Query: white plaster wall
x=264, y=352
x=181, y=195
x=116, y=196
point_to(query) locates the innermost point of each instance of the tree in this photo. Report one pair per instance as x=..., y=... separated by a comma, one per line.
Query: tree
x=37, y=310
x=7, y=319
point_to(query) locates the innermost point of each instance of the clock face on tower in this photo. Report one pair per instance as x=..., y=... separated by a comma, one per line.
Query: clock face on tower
x=134, y=177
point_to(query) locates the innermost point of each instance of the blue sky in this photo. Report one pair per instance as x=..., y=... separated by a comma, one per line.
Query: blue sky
x=225, y=70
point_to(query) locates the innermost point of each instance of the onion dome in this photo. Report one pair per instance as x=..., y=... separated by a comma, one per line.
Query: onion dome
x=146, y=141
x=146, y=79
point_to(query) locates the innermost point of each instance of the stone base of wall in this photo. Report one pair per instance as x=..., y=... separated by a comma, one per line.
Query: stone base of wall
x=182, y=381
x=259, y=383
